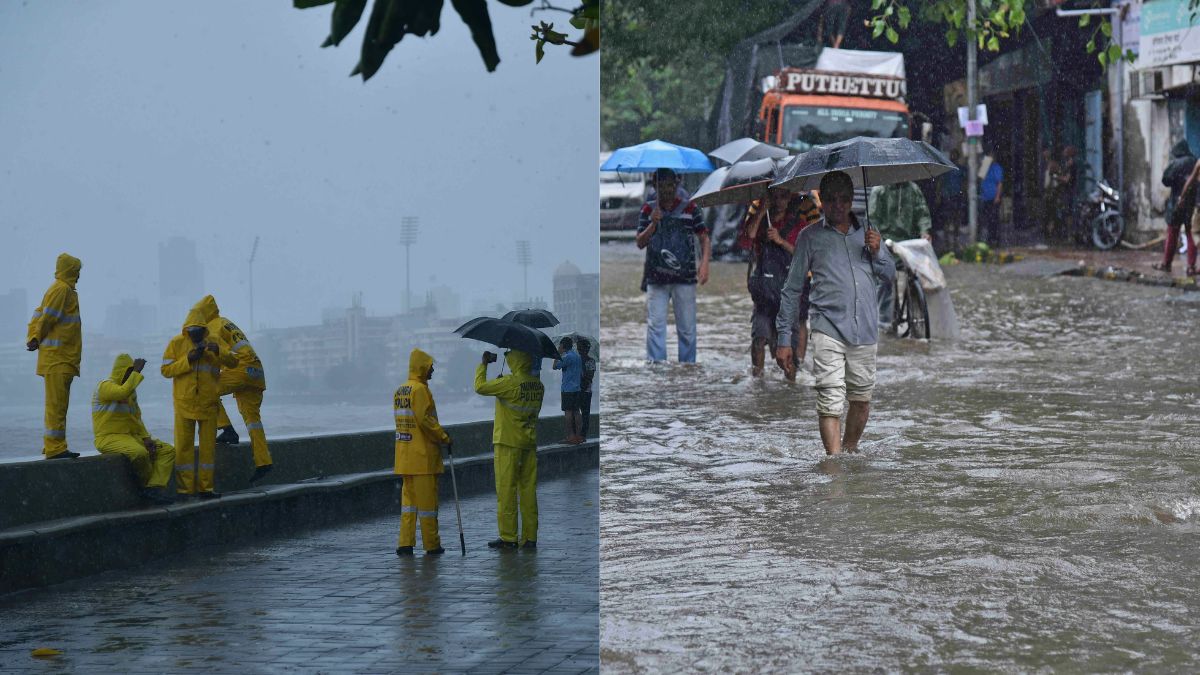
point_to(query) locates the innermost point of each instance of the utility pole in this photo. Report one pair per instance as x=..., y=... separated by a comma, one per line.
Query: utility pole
x=524, y=259
x=253, y=252
x=408, y=236
x=972, y=141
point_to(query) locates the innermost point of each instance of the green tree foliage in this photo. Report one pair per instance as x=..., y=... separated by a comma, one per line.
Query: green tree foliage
x=995, y=20
x=663, y=63
x=390, y=20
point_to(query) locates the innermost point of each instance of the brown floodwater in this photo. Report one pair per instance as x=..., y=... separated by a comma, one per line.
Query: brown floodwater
x=1026, y=498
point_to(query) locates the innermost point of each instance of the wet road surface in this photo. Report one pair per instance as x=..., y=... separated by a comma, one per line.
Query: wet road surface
x=1025, y=499
x=336, y=600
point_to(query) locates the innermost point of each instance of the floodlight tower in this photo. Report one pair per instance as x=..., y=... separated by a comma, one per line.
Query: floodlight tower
x=524, y=259
x=408, y=236
x=253, y=252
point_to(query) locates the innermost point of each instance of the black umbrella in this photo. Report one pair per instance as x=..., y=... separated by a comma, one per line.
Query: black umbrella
x=869, y=161
x=509, y=335
x=534, y=318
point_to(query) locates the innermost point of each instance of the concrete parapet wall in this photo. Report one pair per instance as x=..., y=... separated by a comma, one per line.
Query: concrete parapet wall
x=36, y=492
x=50, y=552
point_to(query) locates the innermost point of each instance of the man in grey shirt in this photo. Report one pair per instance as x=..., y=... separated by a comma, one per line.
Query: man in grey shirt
x=846, y=261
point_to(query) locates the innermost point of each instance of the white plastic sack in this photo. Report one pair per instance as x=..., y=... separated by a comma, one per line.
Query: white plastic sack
x=918, y=255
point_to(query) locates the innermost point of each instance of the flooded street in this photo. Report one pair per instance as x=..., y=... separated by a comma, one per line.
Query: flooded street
x=1025, y=499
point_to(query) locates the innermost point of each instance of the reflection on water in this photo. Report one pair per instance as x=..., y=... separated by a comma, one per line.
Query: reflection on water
x=1025, y=498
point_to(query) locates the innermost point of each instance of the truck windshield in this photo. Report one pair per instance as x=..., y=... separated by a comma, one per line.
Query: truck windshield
x=806, y=126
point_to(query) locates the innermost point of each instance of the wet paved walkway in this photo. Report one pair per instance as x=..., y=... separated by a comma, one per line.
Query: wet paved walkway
x=336, y=600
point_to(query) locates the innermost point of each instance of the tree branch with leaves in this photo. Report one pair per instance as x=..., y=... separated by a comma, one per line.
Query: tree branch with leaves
x=390, y=20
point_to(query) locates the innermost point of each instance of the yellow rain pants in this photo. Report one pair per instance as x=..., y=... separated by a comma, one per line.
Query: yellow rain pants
x=151, y=473
x=188, y=466
x=249, y=403
x=419, y=500
x=516, y=478
x=58, y=394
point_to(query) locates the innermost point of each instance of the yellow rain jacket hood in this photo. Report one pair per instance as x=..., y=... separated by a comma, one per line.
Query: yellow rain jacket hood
x=56, y=323
x=196, y=388
x=114, y=403
x=249, y=371
x=418, y=432
x=518, y=400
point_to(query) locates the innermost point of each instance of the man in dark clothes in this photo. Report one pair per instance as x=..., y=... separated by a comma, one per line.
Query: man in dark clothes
x=1174, y=177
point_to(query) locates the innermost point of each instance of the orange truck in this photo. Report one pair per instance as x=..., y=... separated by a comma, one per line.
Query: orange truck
x=849, y=93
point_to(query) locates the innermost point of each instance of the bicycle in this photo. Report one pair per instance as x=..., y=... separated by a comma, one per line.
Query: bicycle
x=910, y=318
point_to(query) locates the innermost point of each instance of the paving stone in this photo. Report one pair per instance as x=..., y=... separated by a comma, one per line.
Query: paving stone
x=335, y=600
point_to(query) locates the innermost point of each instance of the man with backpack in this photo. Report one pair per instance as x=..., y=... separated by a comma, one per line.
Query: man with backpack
x=771, y=236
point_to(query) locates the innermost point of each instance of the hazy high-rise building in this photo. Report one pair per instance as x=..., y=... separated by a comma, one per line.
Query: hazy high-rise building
x=14, y=312
x=577, y=300
x=445, y=301
x=130, y=319
x=180, y=280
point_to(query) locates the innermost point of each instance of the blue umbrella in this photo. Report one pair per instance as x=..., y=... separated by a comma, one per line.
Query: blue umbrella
x=651, y=155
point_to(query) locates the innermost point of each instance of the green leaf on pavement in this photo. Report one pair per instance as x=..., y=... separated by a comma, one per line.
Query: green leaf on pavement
x=993, y=44
x=879, y=26
x=892, y=36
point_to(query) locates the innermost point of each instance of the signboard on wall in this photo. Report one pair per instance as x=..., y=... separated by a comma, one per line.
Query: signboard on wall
x=1167, y=34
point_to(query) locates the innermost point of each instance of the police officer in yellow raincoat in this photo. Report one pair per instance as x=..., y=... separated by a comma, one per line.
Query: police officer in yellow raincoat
x=56, y=334
x=418, y=458
x=514, y=435
x=246, y=382
x=193, y=361
x=118, y=428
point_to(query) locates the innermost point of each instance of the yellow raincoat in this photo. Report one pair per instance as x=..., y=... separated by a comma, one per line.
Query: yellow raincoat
x=59, y=332
x=518, y=402
x=196, y=392
x=418, y=432
x=418, y=458
x=246, y=381
x=56, y=323
x=118, y=428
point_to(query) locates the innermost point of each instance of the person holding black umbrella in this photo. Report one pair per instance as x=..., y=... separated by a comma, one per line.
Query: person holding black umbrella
x=514, y=435
x=847, y=262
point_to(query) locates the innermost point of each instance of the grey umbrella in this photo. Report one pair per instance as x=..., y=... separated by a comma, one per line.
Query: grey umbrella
x=869, y=161
x=747, y=149
x=738, y=183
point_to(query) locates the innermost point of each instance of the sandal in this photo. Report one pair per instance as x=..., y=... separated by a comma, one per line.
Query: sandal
x=1161, y=267
x=1191, y=271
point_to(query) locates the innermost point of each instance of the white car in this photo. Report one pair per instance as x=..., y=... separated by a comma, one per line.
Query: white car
x=621, y=197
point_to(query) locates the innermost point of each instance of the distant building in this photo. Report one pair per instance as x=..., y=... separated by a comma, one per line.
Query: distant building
x=445, y=301
x=180, y=280
x=130, y=319
x=15, y=312
x=576, y=300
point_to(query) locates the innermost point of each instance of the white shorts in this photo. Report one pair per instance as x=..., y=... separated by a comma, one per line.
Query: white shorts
x=843, y=373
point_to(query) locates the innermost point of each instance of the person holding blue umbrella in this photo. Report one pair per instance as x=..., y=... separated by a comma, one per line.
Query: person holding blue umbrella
x=669, y=228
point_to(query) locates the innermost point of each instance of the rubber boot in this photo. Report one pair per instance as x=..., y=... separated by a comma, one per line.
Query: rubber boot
x=228, y=436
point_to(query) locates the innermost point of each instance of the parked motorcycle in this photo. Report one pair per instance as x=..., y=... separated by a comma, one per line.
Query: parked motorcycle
x=1100, y=219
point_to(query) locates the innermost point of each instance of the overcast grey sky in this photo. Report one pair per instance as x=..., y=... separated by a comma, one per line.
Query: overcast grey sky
x=123, y=123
